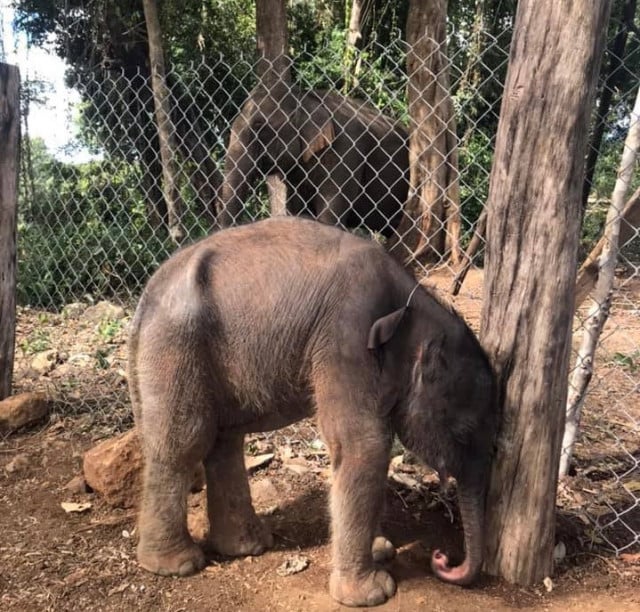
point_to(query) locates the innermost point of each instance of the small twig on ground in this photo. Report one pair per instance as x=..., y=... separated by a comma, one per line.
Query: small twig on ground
x=107, y=522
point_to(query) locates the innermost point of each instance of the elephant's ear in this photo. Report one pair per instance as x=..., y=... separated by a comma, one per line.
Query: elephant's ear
x=384, y=328
x=316, y=129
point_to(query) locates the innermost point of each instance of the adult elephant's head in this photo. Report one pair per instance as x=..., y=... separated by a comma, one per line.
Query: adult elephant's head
x=278, y=130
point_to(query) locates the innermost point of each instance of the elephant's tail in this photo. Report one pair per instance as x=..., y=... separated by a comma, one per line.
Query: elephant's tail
x=132, y=366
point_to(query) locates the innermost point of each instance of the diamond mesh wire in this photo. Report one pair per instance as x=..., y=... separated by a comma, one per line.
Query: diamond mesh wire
x=91, y=233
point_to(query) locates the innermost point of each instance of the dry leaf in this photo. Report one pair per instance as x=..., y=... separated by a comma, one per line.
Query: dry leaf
x=632, y=486
x=293, y=565
x=548, y=584
x=70, y=507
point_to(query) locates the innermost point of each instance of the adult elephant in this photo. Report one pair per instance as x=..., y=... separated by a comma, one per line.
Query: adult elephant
x=342, y=161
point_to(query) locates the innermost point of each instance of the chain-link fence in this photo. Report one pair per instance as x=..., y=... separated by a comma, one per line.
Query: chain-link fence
x=332, y=144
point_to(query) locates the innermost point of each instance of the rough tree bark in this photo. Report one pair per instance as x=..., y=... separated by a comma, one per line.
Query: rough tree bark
x=532, y=237
x=352, y=60
x=271, y=31
x=274, y=66
x=601, y=299
x=166, y=130
x=430, y=229
x=9, y=169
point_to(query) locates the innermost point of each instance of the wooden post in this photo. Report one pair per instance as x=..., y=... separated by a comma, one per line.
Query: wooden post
x=533, y=223
x=9, y=166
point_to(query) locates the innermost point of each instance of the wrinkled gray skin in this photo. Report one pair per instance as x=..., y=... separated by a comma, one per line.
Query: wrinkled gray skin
x=343, y=162
x=259, y=326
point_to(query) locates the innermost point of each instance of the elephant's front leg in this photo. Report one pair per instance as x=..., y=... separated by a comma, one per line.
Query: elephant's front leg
x=360, y=466
x=234, y=528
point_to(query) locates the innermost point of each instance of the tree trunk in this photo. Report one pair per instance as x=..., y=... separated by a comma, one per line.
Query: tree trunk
x=614, y=74
x=604, y=288
x=430, y=229
x=590, y=269
x=352, y=63
x=533, y=225
x=469, y=254
x=273, y=65
x=166, y=131
x=9, y=169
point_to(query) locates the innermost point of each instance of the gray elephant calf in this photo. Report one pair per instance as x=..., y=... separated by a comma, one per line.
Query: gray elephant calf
x=259, y=326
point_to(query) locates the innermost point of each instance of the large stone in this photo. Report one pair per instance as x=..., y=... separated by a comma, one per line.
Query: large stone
x=113, y=469
x=45, y=361
x=23, y=409
x=104, y=311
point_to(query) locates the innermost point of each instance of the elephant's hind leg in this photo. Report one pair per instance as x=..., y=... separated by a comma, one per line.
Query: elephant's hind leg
x=165, y=546
x=175, y=437
x=234, y=528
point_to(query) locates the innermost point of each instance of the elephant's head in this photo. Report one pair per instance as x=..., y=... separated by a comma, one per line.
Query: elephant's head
x=277, y=130
x=448, y=419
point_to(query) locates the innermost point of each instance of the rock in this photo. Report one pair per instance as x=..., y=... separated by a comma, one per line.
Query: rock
x=264, y=493
x=297, y=465
x=17, y=464
x=77, y=485
x=104, y=311
x=198, y=523
x=81, y=359
x=113, y=469
x=73, y=310
x=255, y=462
x=23, y=409
x=44, y=361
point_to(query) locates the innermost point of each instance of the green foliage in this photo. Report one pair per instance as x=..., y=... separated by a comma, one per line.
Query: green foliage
x=108, y=329
x=83, y=229
x=36, y=342
x=628, y=361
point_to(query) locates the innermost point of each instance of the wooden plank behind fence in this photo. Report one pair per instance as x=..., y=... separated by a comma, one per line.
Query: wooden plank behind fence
x=9, y=165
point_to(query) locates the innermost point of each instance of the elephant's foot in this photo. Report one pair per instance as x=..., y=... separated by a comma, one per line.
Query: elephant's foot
x=382, y=550
x=369, y=589
x=240, y=540
x=182, y=561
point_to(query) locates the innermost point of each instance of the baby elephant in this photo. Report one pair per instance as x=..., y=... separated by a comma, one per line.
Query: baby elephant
x=258, y=326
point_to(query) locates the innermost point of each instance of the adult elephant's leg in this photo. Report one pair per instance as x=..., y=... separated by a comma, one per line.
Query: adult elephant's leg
x=337, y=180
x=234, y=528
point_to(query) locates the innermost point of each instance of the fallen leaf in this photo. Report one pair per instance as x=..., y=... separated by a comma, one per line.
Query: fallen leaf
x=633, y=485
x=70, y=507
x=293, y=565
x=548, y=584
x=253, y=462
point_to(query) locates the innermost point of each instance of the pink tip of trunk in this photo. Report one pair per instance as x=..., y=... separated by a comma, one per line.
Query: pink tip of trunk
x=461, y=574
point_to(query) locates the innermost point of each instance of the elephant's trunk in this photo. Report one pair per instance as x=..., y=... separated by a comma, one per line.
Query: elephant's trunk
x=472, y=510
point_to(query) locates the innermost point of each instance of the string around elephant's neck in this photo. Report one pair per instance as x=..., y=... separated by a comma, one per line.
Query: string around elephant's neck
x=411, y=295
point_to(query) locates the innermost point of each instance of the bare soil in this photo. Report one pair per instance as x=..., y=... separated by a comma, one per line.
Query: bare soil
x=54, y=560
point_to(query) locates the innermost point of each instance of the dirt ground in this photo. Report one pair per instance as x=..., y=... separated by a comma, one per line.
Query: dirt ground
x=54, y=560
